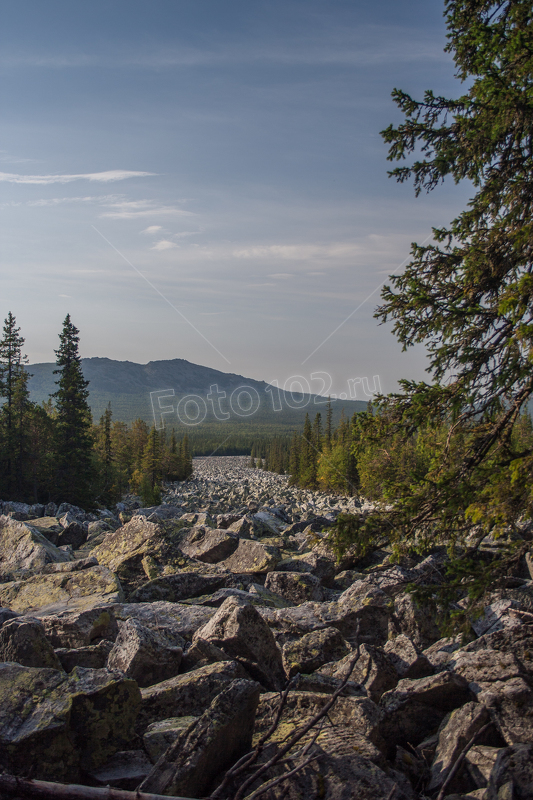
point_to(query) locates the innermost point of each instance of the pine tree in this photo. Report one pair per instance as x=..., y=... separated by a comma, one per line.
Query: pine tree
x=73, y=446
x=329, y=422
x=15, y=412
x=151, y=472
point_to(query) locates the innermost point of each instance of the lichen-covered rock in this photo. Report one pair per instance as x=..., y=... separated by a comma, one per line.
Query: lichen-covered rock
x=358, y=713
x=254, y=557
x=174, y=588
x=463, y=723
x=416, y=707
x=313, y=650
x=23, y=547
x=188, y=694
x=417, y=622
x=49, y=527
x=374, y=671
x=510, y=703
x=210, y=546
x=484, y=666
x=23, y=641
x=93, y=656
x=239, y=630
x=147, y=656
x=512, y=775
x=369, y=614
x=83, y=589
x=125, y=550
x=209, y=745
x=7, y=614
x=440, y=652
x=160, y=735
x=179, y=618
x=55, y=725
x=72, y=629
x=518, y=641
x=320, y=566
x=480, y=761
x=296, y=587
x=406, y=659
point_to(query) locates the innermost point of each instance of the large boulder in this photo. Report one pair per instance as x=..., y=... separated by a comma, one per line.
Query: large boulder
x=512, y=775
x=147, y=656
x=407, y=659
x=416, y=707
x=160, y=735
x=23, y=547
x=93, y=656
x=314, y=650
x=252, y=557
x=296, y=587
x=174, y=588
x=183, y=620
x=239, y=630
x=417, y=622
x=210, y=546
x=209, y=745
x=56, y=725
x=23, y=641
x=82, y=589
x=188, y=694
x=48, y=527
x=137, y=551
x=72, y=629
x=365, y=617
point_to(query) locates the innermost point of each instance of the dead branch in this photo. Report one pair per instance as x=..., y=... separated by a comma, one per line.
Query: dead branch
x=303, y=731
x=250, y=758
x=11, y=786
x=275, y=781
x=460, y=758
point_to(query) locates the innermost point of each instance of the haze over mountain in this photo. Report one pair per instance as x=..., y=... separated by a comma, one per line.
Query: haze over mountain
x=137, y=390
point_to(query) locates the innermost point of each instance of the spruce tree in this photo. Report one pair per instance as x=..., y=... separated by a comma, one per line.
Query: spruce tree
x=72, y=446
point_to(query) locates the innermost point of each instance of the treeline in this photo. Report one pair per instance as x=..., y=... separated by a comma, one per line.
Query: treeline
x=54, y=451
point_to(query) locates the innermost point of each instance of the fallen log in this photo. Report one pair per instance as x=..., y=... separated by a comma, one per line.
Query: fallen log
x=11, y=786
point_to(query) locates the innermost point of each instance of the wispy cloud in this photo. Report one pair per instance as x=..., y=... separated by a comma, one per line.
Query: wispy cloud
x=137, y=209
x=152, y=229
x=281, y=275
x=164, y=244
x=101, y=177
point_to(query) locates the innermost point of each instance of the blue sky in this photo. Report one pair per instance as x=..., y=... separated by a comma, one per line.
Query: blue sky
x=204, y=179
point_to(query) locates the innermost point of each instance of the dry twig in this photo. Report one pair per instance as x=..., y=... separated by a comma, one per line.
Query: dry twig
x=10, y=786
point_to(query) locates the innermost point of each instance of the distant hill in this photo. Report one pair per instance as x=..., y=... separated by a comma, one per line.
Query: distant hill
x=247, y=403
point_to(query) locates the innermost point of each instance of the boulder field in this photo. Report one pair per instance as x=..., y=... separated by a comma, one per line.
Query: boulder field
x=149, y=648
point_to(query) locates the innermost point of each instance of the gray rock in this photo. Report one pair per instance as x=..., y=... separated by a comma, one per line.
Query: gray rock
x=462, y=725
x=146, y=655
x=56, y=725
x=6, y=614
x=124, y=770
x=406, y=659
x=439, y=653
x=93, y=656
x=512, y=775
x=179, y=618
x=161, y=735
x=209, y=745
x=22, y=547
x=313, y=650
x=73, y=629
x=374, y=671
x=480, y=761
x=296, y=587
x=188, y=694
x=173, y=588
x=50, y=593
x=210, y=546
x=416, y=622
x=252, y=557
x=240, y=631
x=518, y=641
x=49, y=527
x=510, y=703
x=23, y=641
x=416, y=707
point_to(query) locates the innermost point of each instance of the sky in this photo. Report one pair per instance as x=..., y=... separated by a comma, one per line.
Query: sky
x=205, y=179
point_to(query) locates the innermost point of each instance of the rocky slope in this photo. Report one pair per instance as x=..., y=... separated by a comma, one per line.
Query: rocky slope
x=147, y=647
